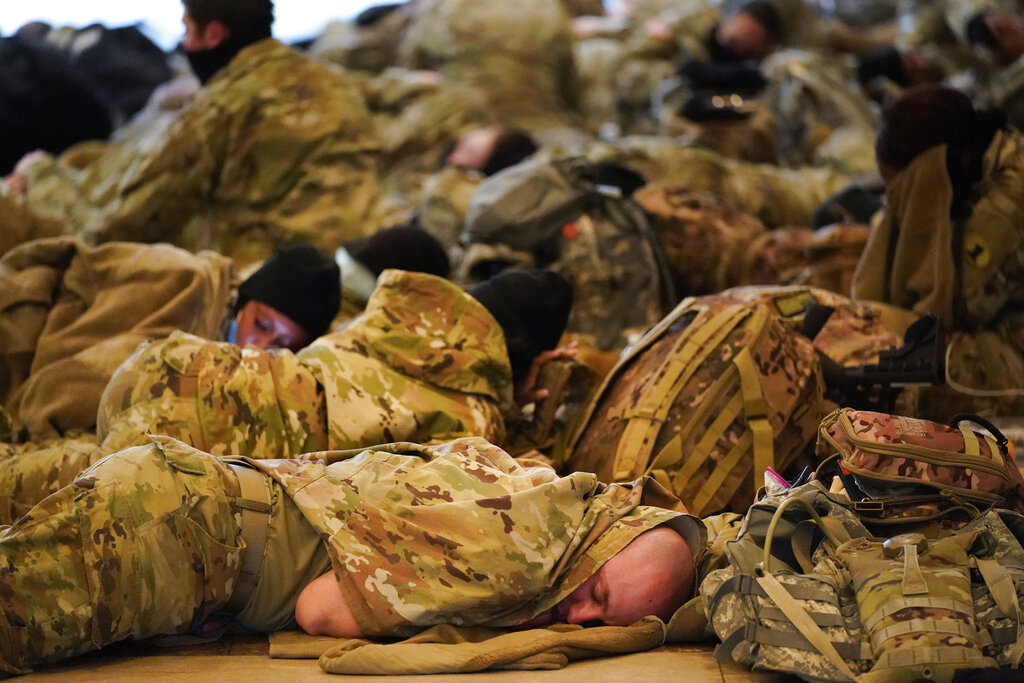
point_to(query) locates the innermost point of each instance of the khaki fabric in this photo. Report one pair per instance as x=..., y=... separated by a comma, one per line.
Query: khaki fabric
x=18, y=224
x=450, y=649
x=908, y=260
x=912, y=258
x=70, y=314
x=300, y=557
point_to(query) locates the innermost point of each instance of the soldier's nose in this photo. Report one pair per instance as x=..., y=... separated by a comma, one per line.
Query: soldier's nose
x=584, y=612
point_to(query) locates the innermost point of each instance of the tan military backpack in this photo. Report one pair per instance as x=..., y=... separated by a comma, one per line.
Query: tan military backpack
x=717, y=392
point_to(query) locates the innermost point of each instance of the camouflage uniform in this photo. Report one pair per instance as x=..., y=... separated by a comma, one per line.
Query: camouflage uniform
x=424, y=362
x=519, y=54
x=275, y=148
x=777, y=196
x=471, y=540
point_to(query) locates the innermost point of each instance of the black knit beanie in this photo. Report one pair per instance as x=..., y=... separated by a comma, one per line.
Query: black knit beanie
x=404, y=247
x=532, y=306
x=299, y=281
x=885, y=61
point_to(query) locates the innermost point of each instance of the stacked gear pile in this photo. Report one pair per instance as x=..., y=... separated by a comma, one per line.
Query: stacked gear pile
x=556, y=215
x=720, y=390
x=898, y=576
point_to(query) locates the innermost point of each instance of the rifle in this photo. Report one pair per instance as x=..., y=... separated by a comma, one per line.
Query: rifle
x=921, y=359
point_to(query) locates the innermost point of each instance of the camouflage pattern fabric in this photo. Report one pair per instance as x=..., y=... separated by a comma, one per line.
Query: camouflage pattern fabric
x=425, y=361
x=611, y=256
x=275, y=148
x=703, y=241
x=714, y=394
x=141, y=544
x=776, y=196
x=520, y=55
x=215, y=396
x=894, y=452
x=812, y=97
x=892, y=604
x=445, y=201
x=471, y=539
x=855, y=332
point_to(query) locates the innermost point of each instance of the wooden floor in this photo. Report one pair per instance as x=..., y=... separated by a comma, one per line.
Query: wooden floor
x=244, y=658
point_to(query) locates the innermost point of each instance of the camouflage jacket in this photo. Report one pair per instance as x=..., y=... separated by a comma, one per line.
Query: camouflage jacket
x=470, y=539
x=424, y=362
x=275, y=148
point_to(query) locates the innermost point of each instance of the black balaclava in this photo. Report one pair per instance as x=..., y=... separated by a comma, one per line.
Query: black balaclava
x=532, y=306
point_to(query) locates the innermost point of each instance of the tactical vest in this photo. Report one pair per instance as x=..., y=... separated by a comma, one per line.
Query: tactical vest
x=911, y=582
x=720, y=390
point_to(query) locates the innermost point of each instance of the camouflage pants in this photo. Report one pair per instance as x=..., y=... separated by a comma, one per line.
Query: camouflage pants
x=31, y=472
x=144, y=542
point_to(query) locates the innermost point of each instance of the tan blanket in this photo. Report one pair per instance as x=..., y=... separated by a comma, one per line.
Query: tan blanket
x=70, y=314
x=450, y=649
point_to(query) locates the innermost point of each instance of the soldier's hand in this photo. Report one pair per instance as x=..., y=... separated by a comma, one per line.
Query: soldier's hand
x=526, y=392
x=16, y=182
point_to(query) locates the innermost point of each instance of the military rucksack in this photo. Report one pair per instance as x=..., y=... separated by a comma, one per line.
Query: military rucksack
x=720, y=390
x=704, y=241
x=896, y=576
x=597, y=238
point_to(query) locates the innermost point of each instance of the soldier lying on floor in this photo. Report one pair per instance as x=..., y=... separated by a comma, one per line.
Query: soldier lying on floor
x=157, y=539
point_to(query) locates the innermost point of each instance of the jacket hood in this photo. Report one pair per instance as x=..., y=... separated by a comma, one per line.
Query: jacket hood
x=431, y=330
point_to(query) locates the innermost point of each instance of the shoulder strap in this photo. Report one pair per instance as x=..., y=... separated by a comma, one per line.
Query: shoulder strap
x=692, y=348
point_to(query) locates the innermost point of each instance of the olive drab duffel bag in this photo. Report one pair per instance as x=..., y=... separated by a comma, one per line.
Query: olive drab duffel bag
x=718, y=391
x=910, y=582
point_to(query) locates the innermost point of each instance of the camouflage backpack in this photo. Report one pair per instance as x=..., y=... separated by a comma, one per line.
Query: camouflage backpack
x=904, y=580
x=556, y=212
x=720, y=390
x=704, y=240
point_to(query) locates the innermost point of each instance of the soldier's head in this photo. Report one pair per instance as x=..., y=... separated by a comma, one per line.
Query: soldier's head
x=405, y=247
x=532, y=306
x=653, y=575
x=216, y=30
x=751, y=32
x=290, y=300
x=491, y=149
x=926, y=116
x=1001, y=34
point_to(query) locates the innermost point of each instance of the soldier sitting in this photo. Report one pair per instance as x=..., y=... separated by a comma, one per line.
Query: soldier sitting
x=386, y=542
x=274, y=148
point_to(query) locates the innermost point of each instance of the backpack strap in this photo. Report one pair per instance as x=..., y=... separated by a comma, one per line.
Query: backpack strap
x=804, y=624
x=647, y=417
x=1000, y=585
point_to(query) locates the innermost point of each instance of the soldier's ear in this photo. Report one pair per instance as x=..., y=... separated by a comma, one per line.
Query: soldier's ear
x=215, y=32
